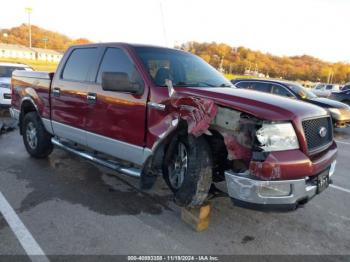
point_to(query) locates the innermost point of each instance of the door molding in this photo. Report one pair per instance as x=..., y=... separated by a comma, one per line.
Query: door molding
x=103, y=144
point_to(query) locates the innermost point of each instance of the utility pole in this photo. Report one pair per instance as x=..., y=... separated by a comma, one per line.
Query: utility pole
x=29, y=11
x=45, y=41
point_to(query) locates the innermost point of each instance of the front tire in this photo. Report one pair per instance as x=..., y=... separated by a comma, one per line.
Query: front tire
x=187, y=169
x=37, y=140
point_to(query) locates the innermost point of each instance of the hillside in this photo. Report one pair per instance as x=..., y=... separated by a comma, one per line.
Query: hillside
x=238, y=60
x=55, y=41
x=234, y=60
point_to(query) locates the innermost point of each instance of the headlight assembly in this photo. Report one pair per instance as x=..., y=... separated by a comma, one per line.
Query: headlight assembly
x=277, y=137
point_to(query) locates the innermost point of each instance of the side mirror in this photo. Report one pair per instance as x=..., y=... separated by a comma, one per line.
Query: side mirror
x=120, y=82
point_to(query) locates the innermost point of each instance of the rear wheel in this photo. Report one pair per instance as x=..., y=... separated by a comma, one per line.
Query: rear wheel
x=36, y=139
x=187, y=170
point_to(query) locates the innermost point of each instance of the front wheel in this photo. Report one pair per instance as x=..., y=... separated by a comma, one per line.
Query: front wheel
x=187, y=169
x=36, y=139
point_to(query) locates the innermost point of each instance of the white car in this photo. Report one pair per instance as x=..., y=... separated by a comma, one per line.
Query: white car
x=325, y=90
x=6, y=70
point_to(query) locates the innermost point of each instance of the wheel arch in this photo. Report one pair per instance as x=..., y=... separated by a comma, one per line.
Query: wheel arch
x=152, y=167
x=27, y=105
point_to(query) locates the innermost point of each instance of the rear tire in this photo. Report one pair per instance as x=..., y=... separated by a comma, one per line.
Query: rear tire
x=187, y=169
x=36, y=139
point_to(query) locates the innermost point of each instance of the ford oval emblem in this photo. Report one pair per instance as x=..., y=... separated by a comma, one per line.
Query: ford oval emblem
x=323, y=131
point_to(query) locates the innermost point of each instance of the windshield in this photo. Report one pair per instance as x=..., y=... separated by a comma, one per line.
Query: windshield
x=6, y=71
x=302, y=91
x=182, y=68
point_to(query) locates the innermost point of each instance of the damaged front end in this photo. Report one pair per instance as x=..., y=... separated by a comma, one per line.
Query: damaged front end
x=231, y=135
x=260, y=160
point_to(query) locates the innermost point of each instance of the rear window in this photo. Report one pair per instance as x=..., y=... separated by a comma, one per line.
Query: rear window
x=258, y=86
x=243, y=85
x=79, y=64
x=263, y=87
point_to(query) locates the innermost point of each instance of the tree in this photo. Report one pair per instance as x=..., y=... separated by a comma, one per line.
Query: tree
x=40, y=38
x=237, y=60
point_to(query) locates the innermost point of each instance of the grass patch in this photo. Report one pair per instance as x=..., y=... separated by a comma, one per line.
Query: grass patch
x=37, y=65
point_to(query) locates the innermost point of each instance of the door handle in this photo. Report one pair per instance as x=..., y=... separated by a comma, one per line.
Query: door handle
x=56, y=92
x=91, y=98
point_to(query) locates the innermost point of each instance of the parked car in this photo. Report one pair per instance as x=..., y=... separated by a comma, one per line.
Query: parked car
x=325, y=90
x=340, y=112
x=342, y=96
x=149, y=111
x=6, y=70
x=346, y=87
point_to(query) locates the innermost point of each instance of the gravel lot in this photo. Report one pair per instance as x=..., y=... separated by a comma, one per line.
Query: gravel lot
x=70, y=206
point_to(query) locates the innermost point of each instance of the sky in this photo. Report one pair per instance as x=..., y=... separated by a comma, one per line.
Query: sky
x=282, y=27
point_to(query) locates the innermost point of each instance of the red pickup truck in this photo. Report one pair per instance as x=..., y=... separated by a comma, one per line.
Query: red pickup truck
x=148, y=111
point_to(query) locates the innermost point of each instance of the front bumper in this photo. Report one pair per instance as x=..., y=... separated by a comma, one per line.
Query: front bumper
x=245, y=190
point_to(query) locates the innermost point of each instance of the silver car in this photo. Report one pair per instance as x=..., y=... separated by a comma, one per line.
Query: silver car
x=6, y=70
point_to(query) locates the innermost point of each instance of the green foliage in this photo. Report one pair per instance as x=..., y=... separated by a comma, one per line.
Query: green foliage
x=56, y=41
x=237, y=60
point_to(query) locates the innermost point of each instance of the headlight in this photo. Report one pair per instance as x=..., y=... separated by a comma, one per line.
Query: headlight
x=277, y=137
x=334, y=111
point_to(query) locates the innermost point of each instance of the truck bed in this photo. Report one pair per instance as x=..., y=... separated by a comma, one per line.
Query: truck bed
x=34, y=86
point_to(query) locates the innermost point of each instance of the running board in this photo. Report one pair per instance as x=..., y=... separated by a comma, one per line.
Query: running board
x=129, y=171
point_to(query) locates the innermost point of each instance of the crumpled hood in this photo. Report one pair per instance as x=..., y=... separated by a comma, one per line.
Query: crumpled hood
x=259, y=104
x=328, y=103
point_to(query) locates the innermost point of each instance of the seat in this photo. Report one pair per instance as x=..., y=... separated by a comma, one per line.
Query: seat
x=163, y=73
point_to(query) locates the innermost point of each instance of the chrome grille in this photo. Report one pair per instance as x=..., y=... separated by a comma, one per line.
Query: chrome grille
x=312, y=133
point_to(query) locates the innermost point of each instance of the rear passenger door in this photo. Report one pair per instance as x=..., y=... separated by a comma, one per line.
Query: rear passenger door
x=70, y=88
x=116, y=122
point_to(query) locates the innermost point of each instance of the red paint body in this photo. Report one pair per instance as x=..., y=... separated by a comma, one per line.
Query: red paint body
x=127, y=118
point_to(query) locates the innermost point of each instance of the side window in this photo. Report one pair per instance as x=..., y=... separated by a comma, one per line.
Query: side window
x=243, y=85
x=263, y=87
x=281, y=91
x=345, y=88
x=79, y=64
x=329, y=87
x=116, y=60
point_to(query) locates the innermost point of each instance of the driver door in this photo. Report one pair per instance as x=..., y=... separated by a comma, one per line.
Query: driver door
x=116, y=121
